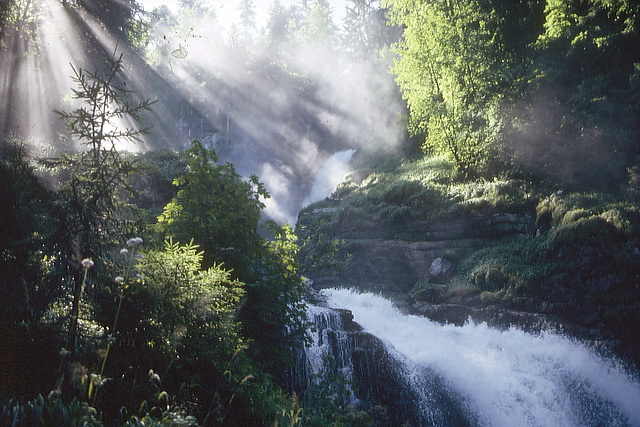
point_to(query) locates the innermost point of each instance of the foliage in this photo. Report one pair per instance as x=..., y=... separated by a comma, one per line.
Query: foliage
x=544, y=87
x=184, y=292
x=576, y=121
x=366, y=29
x=19, y=20
x=330, y=400
x=423, y=188
x=318, y=251
x=154, y=187
x=218, y=209
x=274, y=315
x=584, y=259
x=28, y=234
x=118, y=16
x=48, y=412
x=95, y=214
x=164, y=309
x=449, y=71
x=171, y=314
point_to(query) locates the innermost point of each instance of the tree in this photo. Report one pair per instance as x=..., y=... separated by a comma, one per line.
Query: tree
x=450, y=71
x=95, y=214
x=28, y=248
x=221, y=212
x=218, y=209
x=247, y=16
x=274, y=316
x=118, y=16
x=319, y=23
x=577, y=119
x=277, y=28
x=365, y=28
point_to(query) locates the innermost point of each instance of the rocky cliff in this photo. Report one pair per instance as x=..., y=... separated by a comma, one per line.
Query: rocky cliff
x=396, y=257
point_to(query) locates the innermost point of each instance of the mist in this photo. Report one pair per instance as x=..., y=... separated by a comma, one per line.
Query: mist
x=546, y=142
x=277, y=98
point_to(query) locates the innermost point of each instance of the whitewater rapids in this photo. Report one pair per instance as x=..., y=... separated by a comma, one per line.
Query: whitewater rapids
x=504, y=378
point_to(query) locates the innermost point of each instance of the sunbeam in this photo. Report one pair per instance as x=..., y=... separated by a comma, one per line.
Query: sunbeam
x=289, y=108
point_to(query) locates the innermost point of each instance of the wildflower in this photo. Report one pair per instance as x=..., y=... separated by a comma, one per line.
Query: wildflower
x=135, y=241
x=119, y=279
x=124, y=251
x=153, y=376
x=87, y=263
x=140, y=276
x=54, y=395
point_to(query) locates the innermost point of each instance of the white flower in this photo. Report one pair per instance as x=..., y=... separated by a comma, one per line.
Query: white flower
x=119, y=279
x=135, y=241
x=124, y=251
x=87, y=263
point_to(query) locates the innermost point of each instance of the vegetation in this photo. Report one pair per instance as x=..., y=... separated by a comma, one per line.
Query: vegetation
x=141, y=333
x=141, y=289
x=581, y=264
x=540, y=85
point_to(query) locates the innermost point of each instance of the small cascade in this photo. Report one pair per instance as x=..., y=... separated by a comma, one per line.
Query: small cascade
x=330, y=341
x=330, y=338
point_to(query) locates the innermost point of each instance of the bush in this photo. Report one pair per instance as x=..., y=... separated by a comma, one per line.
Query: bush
x=48, y=412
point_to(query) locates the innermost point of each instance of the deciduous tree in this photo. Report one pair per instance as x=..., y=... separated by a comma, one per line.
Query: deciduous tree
x=449, y=70
x=218, y=209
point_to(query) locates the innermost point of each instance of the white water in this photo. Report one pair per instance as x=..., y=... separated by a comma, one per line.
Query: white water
x=329, y=176
x=507, y=378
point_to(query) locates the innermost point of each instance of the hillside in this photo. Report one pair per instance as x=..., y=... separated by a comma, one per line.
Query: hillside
x=449, y=248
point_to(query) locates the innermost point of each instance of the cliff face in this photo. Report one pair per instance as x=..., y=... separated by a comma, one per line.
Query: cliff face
x=395, y=257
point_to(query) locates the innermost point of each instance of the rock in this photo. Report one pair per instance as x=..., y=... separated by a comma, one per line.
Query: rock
x=394, y=257
x=432, y=294
x=311, y=295
x=441, y=270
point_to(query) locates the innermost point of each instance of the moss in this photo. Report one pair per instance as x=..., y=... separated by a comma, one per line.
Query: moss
x=490, y=298
x=423, y=189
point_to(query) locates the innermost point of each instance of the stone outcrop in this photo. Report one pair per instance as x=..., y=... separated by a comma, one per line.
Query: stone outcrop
x=396, y=257
x=441, y=270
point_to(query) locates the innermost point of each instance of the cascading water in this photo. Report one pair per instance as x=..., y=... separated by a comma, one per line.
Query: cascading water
x=328, y=339
x=473, y=375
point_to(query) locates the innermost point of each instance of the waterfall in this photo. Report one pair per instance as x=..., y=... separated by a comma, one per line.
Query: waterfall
x=447, y=375
x=330, y=174
x=329, y=338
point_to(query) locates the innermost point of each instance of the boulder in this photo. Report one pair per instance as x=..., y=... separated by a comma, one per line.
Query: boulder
x=441, y=270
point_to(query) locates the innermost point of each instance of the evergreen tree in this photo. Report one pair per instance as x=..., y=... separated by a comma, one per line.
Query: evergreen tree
x=247, y=17
x=95, y=213
x=365, y=29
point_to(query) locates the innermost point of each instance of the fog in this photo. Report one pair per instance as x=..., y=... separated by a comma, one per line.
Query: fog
x=277, y=98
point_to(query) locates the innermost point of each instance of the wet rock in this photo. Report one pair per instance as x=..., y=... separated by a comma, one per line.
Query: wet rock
x=441, y=270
